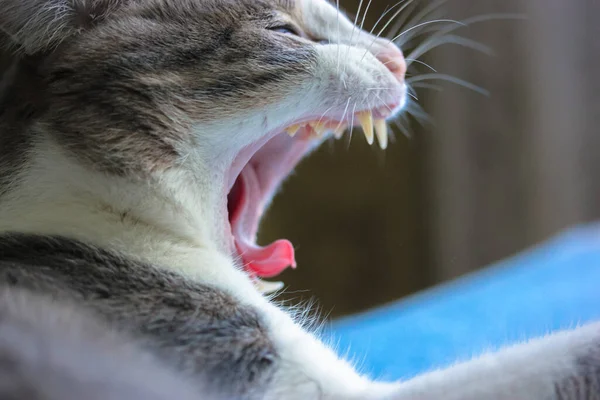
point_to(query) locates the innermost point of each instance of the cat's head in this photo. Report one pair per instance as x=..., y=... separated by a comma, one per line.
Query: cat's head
x=217, y=98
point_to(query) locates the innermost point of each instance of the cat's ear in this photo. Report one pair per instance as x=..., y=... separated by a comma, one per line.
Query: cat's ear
x=33, y=26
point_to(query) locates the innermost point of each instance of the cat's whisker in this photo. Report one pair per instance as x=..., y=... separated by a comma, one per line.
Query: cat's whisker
x=337, y=132
x=353, y=30
x=417, y=52
x=402, y=129
x=383, y=102
x=417, y=18
x=338, y=35
x=364, y=17
x=435, y=21
x=396, y=14
x=323, y=115
x=356, y=18
x=448, y=78
x=319, y=127
x=409, y=61
x=352, y=124
x=417, y=112
x=449, y=39
x=362, y=24
x=386, y=25
x=411, y=92
x=424, y=85
x=386, y=12
x=343, y=79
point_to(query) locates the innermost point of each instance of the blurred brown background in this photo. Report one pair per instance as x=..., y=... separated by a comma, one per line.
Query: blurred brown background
x=491, y=177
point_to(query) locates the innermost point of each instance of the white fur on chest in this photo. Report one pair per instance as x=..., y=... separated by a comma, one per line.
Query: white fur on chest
x=164, y=235
x=89, y=207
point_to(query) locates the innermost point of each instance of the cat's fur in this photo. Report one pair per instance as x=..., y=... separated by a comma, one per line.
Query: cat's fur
x=54, y=350
x=118, y=122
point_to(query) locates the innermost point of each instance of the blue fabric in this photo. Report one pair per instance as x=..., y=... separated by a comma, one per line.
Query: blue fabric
x=553, y=286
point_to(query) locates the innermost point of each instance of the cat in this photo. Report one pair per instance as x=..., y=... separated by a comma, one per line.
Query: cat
x=141, y=142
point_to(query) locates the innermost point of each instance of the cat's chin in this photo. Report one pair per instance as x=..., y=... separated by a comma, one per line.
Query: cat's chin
x=259, y=169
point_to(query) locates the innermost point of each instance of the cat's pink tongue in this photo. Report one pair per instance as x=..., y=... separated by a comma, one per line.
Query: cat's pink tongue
x=248, y=199
x=268, y=261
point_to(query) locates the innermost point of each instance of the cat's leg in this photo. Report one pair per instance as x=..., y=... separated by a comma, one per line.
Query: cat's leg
x=562, y=366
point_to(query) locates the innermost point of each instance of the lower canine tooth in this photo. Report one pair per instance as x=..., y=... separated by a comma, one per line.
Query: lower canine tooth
x=382, y=133
x=292, y=130
x=267, y=287
x=366, y=121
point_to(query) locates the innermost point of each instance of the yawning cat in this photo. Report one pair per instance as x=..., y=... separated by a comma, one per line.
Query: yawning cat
x=141, y=142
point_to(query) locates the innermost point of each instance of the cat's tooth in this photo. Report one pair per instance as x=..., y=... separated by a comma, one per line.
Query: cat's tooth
x=292, y=130
x=339, y=131
x=267, y=287
x=319, y=128
x=366, y=121
x=381, y=131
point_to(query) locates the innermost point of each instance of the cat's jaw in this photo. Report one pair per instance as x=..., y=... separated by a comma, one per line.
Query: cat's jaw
x=249, y=155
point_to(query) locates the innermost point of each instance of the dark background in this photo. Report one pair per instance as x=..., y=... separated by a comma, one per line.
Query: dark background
x=492, y=175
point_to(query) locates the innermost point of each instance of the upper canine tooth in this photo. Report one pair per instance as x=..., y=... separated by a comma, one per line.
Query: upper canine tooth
x=319, y=127
x=381, y=131
x=366, y=121
x=292, y=130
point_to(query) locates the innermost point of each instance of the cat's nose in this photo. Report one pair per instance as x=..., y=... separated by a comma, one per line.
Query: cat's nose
x=391, y=56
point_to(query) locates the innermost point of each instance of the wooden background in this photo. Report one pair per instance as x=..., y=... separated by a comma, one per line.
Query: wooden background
x=493, y=176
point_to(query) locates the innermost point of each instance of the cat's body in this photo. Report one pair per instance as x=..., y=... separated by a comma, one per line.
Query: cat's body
x=141, y=141
x=53, y=350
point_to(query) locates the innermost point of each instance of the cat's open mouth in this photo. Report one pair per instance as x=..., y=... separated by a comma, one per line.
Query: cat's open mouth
x=259, y=169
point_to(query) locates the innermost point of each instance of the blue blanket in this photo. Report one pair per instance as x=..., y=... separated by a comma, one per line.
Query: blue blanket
x=553, y=286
